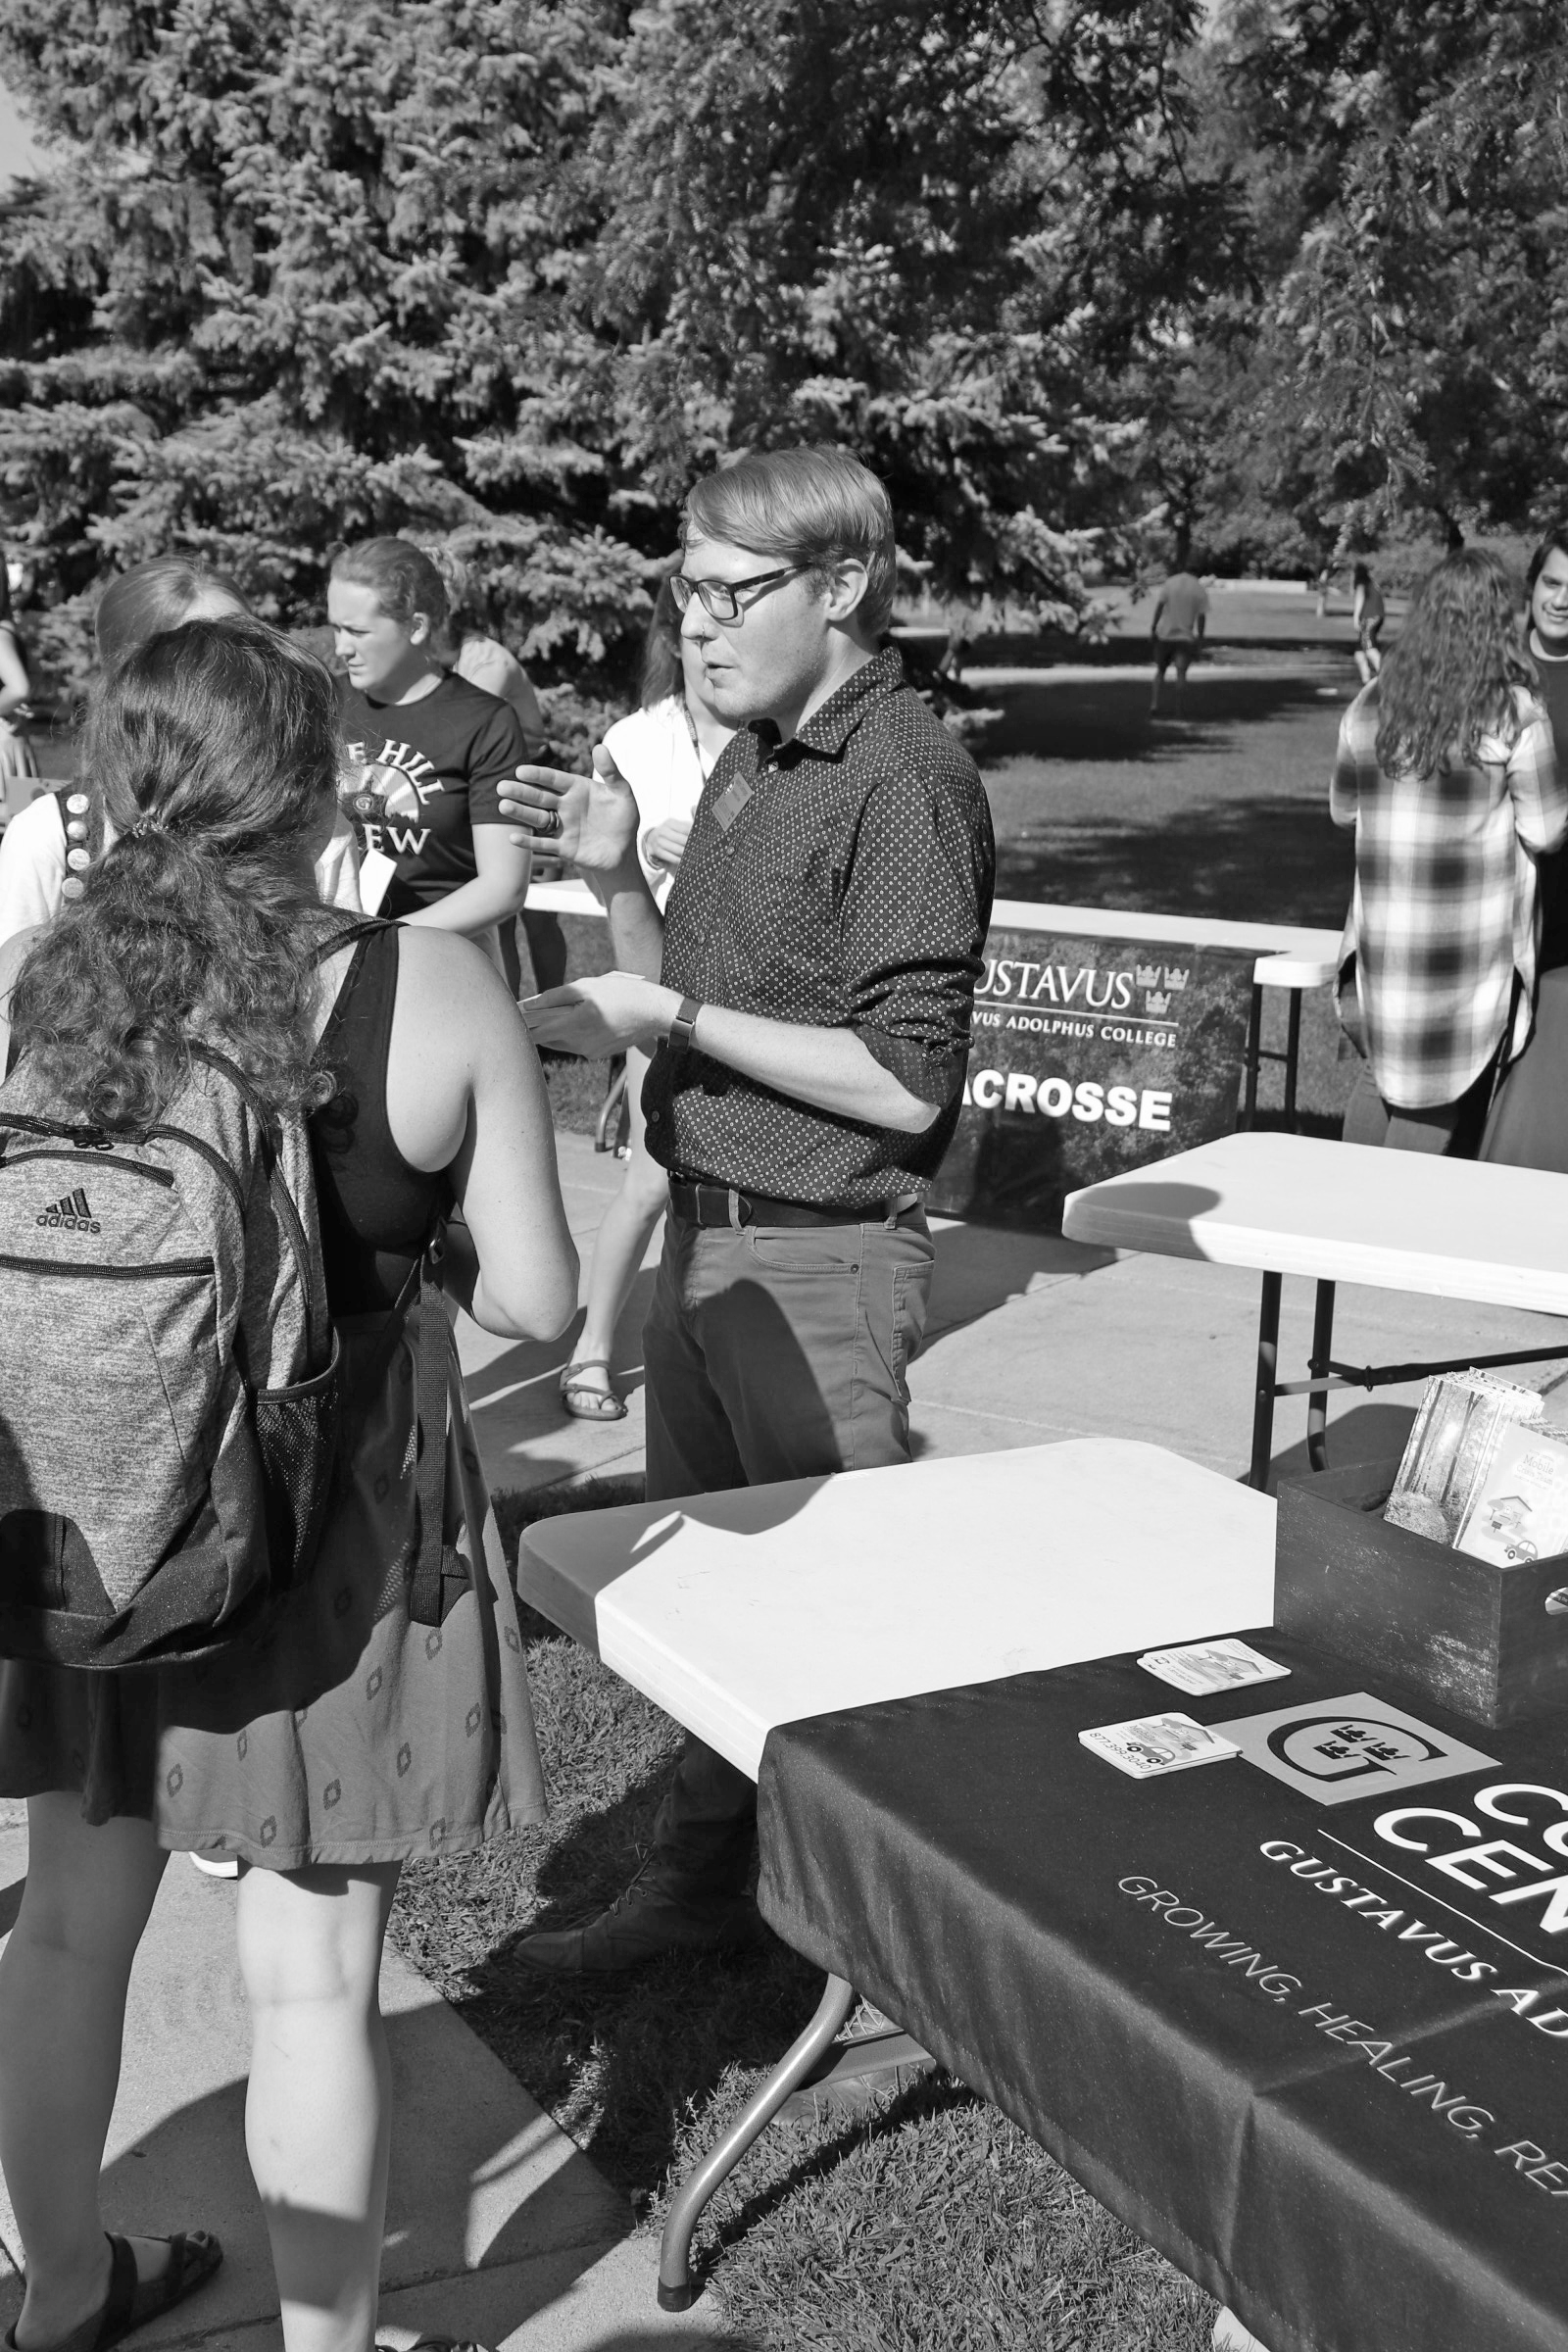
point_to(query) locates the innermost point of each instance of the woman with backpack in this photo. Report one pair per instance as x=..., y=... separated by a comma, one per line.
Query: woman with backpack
x=330, y=1736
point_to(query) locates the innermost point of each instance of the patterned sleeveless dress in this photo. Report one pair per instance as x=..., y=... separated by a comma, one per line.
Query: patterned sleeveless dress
x=348, y=1734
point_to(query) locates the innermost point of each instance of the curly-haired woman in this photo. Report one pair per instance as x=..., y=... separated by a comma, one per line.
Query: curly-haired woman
x=1446, y=769
x=351, y=1738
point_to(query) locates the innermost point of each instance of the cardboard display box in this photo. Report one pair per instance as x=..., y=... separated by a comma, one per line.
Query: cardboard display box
x=1489, y=1640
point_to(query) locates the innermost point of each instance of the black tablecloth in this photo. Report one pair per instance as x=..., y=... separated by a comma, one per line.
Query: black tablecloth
x=1329, y=2082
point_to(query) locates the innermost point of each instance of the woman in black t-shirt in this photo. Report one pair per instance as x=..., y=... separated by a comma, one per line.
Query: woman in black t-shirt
x=423, y=753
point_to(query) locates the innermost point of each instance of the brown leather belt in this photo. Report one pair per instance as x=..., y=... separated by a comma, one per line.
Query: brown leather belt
x=698, y=1203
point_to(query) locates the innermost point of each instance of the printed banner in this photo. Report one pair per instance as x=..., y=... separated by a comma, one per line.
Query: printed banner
x=1091, y=1057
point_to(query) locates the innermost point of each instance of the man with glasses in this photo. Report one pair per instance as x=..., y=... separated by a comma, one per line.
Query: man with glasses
x=806, y=1001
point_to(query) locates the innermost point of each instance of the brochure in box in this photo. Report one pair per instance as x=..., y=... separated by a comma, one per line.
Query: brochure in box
x=1520, y=1509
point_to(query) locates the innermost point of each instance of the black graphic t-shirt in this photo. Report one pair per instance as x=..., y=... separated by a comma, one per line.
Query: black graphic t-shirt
x=416, y=778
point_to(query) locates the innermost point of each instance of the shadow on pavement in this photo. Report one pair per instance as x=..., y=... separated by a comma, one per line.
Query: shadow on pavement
x=1368, y=1433
x=1109, y=719
x=981, y=1267
x=1263, y=859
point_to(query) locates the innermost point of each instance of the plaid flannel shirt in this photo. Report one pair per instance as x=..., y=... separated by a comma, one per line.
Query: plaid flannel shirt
x=1444, y=912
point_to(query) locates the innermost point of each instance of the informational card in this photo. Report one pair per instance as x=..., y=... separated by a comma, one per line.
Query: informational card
x=1203, y=1667
x=1153, y=1746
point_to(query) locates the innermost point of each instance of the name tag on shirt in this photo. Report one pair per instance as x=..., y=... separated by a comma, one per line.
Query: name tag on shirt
x=730, y=802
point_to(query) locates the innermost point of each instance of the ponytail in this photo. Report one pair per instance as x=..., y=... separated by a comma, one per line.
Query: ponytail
x=215, y=750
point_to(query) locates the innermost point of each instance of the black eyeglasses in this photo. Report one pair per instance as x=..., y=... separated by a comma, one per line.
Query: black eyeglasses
x=721, y=598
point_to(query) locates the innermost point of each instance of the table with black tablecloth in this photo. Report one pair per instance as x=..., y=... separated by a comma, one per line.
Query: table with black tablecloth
x=1328, y=2080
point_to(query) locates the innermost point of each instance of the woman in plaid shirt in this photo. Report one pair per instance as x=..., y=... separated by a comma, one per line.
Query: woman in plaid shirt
x=1446, y=769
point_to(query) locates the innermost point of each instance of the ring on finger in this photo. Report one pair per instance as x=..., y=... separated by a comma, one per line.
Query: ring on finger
x=553, y=822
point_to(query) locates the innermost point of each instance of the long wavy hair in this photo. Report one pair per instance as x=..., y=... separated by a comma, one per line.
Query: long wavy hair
x=215, y=748
x=1453, y=675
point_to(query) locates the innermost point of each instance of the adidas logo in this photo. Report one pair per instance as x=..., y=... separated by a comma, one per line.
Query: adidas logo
x=72, y=1214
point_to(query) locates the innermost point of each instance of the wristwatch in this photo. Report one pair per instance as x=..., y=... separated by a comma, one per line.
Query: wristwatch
x=683, y=1026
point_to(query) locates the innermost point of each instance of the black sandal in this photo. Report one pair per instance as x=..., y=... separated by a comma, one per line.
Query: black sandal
x=131, y=2302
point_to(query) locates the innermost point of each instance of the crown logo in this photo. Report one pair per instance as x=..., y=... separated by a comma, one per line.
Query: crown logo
x=1173, y=978
x=1146, y=975
x=1158, y=1002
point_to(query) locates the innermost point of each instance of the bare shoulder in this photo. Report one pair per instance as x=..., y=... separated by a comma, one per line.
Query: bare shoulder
x=446, y=983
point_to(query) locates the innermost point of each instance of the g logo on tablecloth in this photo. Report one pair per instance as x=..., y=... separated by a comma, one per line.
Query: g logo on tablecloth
x=1341, y=1747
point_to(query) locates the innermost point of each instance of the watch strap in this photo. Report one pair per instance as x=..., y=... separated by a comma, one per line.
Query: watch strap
x=682, y=1027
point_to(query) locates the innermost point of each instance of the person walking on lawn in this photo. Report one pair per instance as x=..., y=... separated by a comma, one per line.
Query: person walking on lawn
x=807, y=1000
x=1176, y=628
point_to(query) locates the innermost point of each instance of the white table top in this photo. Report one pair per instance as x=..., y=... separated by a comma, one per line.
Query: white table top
x=1288, y=956
x=1192, y=930
x=735, y=1612
x=1343, y=1212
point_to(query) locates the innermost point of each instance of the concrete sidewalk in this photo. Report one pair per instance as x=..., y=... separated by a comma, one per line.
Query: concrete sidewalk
x=497, y=2227
x=1032, y=1338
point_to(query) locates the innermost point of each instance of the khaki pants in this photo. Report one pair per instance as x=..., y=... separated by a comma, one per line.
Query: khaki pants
x=771, y=1352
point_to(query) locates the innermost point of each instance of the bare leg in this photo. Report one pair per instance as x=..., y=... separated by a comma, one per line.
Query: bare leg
x=317, y=2118
x=622, y=1237
x=63, y=1982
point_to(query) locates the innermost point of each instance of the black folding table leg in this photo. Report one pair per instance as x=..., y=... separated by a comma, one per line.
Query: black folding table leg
x=1292, y=1057
x=1268, y=1356
x=1255, y=1048
x=1317, y=1403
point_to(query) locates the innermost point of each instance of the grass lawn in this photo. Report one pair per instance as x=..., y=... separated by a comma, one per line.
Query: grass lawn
x=933, y=2224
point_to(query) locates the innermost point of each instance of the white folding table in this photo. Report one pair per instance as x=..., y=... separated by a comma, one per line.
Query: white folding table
x=764, y=1605
x=1342, y=1212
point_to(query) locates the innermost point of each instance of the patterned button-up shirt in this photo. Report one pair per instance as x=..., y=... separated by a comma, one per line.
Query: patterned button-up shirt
x=840, y=880
x=1444, y=911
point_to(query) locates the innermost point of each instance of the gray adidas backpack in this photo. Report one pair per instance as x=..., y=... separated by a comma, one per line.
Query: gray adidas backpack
x=171, y=1412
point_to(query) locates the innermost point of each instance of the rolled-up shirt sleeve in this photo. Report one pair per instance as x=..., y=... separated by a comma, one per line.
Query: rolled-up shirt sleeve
x=912, y=925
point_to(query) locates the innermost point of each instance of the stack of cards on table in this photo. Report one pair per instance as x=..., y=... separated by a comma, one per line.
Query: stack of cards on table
x=1200, y=1667
x=1152, y=1745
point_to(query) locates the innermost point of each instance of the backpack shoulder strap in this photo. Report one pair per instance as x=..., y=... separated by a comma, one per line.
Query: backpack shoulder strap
x=318, y=1317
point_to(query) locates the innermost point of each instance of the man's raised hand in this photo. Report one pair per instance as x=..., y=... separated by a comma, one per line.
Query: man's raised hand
x=588, y=821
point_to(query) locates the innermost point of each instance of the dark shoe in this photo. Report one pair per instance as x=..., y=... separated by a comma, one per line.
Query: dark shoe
x=642, y=1924
x=131, y=2302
